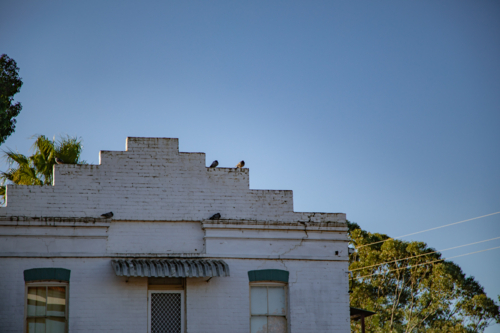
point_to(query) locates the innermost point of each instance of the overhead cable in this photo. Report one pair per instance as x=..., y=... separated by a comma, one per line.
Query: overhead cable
x=423, y=254
x=426, y=263
x=419, y=232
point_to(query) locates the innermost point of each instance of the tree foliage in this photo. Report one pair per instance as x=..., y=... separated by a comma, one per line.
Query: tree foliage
x=414, y=295
x=37, y=169
x=10, y=84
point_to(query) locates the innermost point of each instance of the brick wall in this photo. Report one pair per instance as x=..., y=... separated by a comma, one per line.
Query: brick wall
x=99, y=301
x=161, y=200
x=151, y=181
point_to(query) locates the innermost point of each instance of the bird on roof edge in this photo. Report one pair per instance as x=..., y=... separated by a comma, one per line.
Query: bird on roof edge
x=59, y=161
x=107, y=215
x=215, y=217
x=214, y=164
x=241, y=164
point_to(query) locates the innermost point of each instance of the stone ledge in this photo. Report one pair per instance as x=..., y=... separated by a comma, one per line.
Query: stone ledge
x=272, y=224
x=52, y=221
x=63, y=255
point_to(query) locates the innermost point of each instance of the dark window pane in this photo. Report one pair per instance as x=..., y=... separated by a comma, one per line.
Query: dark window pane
x=56, y=301
x=55, y=325
x=36, y=325
x=36, y=301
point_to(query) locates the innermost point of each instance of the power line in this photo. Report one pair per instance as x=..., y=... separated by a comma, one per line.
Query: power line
x=426, y=263
x=419, y=232
x=423, y=254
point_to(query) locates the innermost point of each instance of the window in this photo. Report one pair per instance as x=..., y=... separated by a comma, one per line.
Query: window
x=268, y=300
x=166, y=305
x=46, y=307
x=166, y=311
x=46, y=302
x=268, y=311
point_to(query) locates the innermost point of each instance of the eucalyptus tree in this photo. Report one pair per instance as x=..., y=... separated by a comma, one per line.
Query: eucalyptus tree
x=412, y=289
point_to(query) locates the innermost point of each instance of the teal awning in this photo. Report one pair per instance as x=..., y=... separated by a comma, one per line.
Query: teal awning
x=47, y=274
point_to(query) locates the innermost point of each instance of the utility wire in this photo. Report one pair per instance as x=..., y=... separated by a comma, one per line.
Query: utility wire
x=423, y=254
x=426, y=263
x=419, y=232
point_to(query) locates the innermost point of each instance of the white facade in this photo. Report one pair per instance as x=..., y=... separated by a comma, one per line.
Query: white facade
x=161, y=200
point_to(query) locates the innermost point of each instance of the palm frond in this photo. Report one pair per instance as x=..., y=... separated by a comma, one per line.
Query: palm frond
x=21, y=170
x=37, y=169
x=43, y=158
x=69, y=149
x=2, y=194
x=15, y=157
x=22, y=175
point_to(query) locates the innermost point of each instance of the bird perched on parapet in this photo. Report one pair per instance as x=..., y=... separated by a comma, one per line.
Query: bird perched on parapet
x=215, y=217
x=214, y=164
x=241, y=164
x=107, y=215
x=59, y=161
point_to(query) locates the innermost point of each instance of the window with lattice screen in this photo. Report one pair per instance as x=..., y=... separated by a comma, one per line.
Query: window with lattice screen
x=166, y=311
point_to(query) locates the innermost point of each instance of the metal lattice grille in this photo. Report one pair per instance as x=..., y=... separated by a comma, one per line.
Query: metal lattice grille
x=166, y=313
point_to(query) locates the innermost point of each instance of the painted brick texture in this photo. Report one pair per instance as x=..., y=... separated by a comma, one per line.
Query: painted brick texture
x=99, y=301
x=150, y=181
x=318, y=298
x=161, y=200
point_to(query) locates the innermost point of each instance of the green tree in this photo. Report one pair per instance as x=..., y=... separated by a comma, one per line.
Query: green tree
x=10, y=84
x=37, y=169
x=420, y=294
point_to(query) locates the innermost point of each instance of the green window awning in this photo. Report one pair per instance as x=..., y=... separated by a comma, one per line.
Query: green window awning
x=268, y=275
x=45, y=274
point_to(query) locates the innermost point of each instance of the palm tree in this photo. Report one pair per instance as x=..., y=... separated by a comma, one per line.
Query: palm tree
x=37, y=168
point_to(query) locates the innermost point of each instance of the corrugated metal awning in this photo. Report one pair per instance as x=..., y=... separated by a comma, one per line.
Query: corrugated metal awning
x=170, y=268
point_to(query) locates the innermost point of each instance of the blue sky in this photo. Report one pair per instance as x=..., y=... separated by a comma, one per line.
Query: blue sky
x=387, y=111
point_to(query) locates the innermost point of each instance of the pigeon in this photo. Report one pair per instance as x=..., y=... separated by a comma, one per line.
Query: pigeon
x=107, y=215
x=59, y=161
x=215, y=217
x=241, y=164
x=214, y=164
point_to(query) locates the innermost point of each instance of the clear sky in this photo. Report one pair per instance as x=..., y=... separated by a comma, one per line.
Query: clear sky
x=386, y=111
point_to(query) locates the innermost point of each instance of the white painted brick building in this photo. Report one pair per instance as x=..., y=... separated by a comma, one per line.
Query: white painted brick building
x=159, y=264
